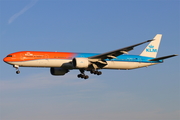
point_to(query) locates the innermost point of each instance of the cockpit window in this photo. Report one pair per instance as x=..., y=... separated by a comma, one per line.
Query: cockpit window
x=9, y=56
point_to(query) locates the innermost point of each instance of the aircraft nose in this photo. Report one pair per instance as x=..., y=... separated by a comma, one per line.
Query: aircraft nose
x=5, y=59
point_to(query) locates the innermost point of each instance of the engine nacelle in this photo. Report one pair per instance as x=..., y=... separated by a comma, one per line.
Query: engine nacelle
x=80, y=62
x=58, y=71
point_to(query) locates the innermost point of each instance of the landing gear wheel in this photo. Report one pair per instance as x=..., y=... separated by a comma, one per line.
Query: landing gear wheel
x=95, y=72
x=91, y=71
x=99, y=73
x=79, y=75
x=17, y=72
x=86, y=77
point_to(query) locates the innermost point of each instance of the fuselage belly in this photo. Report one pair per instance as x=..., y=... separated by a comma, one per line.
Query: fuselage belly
x=68, y=64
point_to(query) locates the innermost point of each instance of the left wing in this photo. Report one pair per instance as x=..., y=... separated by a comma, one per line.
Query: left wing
x=115, y=53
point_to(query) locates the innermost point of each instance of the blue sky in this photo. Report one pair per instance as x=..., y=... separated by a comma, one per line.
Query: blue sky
x=151, y=93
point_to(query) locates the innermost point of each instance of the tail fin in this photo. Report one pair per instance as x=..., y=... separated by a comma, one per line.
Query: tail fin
x=152, y=49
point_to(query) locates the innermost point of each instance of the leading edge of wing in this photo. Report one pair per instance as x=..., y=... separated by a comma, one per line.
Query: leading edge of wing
x=115, y=53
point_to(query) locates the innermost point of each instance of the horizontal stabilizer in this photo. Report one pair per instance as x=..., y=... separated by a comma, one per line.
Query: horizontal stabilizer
x=162, y=58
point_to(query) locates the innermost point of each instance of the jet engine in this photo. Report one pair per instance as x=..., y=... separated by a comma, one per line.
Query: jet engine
x=58, y=71
x=80, y=62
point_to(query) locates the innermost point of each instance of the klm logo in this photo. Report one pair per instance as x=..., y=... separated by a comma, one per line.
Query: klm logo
x=151, y=49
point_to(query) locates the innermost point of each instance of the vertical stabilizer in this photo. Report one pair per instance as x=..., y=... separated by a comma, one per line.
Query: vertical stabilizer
x=152, y=49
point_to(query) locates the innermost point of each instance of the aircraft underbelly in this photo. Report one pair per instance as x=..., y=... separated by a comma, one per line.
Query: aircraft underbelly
x=125, y=65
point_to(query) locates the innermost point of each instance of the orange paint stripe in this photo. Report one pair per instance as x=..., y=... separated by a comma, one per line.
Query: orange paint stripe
x=33, y=55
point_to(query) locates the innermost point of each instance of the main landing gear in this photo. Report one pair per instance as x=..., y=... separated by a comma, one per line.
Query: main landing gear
x=95, y=72
x=17, y=69
x=82, y=75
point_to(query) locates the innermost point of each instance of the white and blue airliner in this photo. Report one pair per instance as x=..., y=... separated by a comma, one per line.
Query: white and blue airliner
x=61, y=63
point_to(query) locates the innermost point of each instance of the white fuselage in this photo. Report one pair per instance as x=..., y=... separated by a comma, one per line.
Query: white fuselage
x=68, y=65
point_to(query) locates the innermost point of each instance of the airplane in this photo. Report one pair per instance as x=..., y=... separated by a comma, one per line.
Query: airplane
x=61, y=63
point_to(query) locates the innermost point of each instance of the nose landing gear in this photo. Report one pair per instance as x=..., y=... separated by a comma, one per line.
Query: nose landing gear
x=17, y=72
x=17, y=69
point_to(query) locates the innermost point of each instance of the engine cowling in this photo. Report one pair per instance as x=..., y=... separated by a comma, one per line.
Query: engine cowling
x=58, y=71
x=80, y=62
